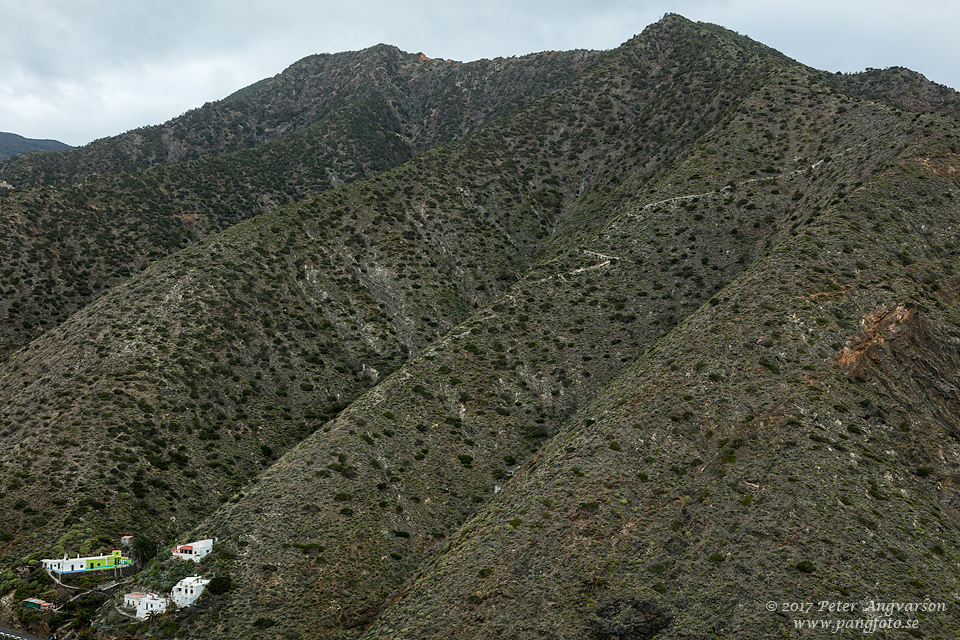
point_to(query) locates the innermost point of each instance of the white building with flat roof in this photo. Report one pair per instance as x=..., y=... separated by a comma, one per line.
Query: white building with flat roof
x=194, y=550
x=89, y=563
x=188, y=590
x=145, y=604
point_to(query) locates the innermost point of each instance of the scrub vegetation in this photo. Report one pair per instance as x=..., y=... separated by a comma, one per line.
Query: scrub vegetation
x=667, y=334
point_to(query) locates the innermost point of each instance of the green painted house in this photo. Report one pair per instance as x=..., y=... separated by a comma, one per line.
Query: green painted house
x=67, y=565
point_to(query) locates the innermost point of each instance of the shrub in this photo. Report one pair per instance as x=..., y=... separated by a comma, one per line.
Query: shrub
x=769, y=365
x=220, y=584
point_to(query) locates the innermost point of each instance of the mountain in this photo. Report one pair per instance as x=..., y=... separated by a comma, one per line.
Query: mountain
x=413, y=101
x=348, y=116
x=672, y=340
x=13, y=145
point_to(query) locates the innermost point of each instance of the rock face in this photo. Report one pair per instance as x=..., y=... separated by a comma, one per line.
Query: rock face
x=916, y=360
x=671, y=341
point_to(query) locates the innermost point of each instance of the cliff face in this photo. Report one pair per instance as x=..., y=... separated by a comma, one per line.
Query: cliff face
x=673, y=340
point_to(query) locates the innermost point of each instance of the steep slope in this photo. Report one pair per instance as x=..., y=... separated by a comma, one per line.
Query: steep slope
x=350, y=116
x=795, y=442
x=377, y=528
x=207, y=364
x=193, y=374
x=538, y=376
x=431, y=101
x=900, y=87
x=67, y=244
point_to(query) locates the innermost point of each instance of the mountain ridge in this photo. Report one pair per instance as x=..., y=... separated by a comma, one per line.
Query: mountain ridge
x=101, y=229
x=452, y=99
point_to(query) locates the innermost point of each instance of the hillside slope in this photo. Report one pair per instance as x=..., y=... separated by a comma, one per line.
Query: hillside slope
x=429, y=101
x=332, y=120
x=795, y=442
x=197, y=372
x=613, y=366
x=428, y=510
x=900, y=87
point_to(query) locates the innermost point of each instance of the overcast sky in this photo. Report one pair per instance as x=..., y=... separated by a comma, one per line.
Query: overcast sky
x=77, y=70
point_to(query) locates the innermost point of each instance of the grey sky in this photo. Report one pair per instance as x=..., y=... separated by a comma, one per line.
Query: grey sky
x=76, y=70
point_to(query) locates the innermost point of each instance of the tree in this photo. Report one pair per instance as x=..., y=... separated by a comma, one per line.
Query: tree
x=143, y=549
x=220, y=584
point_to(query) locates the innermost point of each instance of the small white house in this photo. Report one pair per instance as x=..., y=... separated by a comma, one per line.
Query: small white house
x=145, y=604
x=194, y=551
x=188, y=590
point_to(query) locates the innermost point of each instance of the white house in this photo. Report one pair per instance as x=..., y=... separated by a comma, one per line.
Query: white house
x=145, y=604
x=195, y=550
x=188, y=590
x=89, y=563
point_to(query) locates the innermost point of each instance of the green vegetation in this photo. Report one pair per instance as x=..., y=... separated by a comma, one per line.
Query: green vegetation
x=673, y=336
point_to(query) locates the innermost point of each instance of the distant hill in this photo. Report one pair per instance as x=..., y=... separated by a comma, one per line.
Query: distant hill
x=13, y=145
x=900, y=87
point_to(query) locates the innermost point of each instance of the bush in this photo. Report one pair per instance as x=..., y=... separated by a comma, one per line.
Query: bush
x=220, y=584
x=143, y=549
